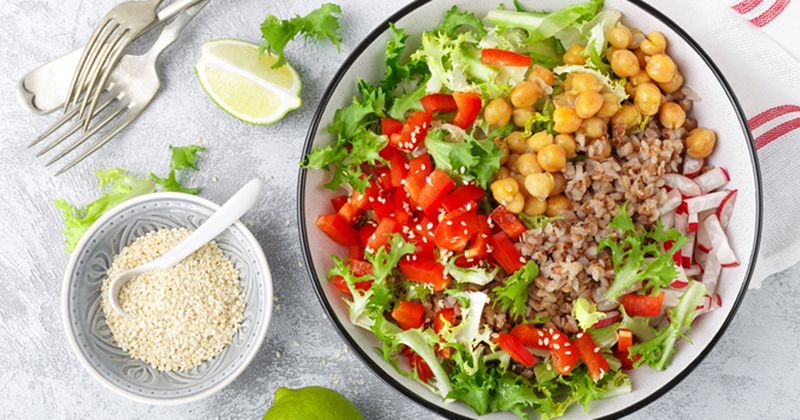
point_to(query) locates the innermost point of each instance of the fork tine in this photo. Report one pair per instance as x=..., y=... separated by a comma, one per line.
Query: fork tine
x=100, y=143
x=75, y=127
x=123, y=106
x=55, y=126
x=82, y=61
x=102, y=65
x=94, y=65
x=102, y=84
x=86, y=62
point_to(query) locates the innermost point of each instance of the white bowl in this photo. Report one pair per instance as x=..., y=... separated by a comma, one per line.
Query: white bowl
x=718, y=110
x=85, y=323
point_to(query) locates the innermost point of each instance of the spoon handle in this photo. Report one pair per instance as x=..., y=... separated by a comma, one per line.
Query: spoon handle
x=226, y=216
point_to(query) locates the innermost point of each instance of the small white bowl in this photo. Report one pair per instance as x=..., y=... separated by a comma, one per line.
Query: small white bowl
x=718, y=110
x=85, y=323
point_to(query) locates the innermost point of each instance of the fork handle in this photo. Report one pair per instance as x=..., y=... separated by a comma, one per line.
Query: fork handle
x=174, y=8
x=171, y=31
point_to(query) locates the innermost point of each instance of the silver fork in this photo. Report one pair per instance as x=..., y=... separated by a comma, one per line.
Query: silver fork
x=132, y=86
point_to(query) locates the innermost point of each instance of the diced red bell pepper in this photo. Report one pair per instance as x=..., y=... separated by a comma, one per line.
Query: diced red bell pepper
x=565, y=356
x=365, y=231
x=409, y=314
x=386, y=227
x=355, y=251
x=338, y=201
x=339, y=283
x=642, y=305
x=438, y=185
x=359, y=267
x=461, y=196
x=508, y=222
x=412, y=133
x=383, y=207
x=438, y=102
x=505, y=253
x=591, y=356
x=418, y=170
x=390, y=126
x=496, y=57
x=425, y=271
x=398, y=166
x=338, y=229
x=442, y=315
x=457, y=228
x=421, y=235
x=479, y=245
x=515, y=349
x=357, y=202
x=416, y=362
x=531, y=336
x=469, y=106
x=383, y=178
x=624, y=342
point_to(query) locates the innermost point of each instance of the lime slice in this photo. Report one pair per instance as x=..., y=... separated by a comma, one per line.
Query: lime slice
x=244, y=84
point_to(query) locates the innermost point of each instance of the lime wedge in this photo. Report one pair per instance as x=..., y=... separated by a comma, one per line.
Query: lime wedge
x=244, y=84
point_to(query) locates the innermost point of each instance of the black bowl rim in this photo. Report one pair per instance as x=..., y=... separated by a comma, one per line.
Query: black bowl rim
x=439, y=409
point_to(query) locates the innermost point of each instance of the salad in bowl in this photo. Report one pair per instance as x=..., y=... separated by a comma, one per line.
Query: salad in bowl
x=525, y=208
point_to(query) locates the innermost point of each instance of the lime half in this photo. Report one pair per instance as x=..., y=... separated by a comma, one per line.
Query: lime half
x=244, y=84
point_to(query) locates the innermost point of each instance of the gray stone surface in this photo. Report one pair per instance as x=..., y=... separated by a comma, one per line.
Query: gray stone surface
x=750, y=374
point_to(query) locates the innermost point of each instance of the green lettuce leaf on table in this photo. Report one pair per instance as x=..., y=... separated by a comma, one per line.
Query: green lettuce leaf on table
x=118, y=186
x=320, y=24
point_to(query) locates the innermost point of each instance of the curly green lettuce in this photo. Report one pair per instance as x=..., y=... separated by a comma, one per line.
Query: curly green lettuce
x=320, y=24
x=512, y=296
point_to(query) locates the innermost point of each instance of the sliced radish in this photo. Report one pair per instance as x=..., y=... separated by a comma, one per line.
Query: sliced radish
x=692, y=167
x=692, y=223
x=712, y=180
x=694, y=270
x=703, y=243
x=676, y=257
x=684, y=184
x=668, y=219
x=706, y=201
x=725, y=209
x=720, y=246
x=671, y=298
x=701, y=257
x=681, y=222
x=709, y=303
x=674, y=200
x=681, y=280
x=687, y=251
x=711, y=272
x=611, y=317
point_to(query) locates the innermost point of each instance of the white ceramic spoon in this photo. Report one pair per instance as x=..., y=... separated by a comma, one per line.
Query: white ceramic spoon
x=226, y=216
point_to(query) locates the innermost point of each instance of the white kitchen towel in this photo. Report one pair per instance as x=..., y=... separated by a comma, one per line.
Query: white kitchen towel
x=756, y=44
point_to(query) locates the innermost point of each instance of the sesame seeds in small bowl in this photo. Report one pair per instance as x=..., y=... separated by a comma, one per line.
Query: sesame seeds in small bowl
x=196, y=326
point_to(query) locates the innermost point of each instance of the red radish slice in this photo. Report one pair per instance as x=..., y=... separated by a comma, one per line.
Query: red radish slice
x=703, y=243
x=692, y=223
x=668, y=219
x=712, y=180
x=673, y=201
x=706, y=201
x=708, y=304
x=684, y=184
x=701, y=257
x=671, y=298
x=676, y=257
x=681, y=280
x=720, y=246
x=681, y=222
x=711, y=272
x=692, y=167
x=611, y=317
x=725, y=209
x=694, y=270
x=687, y=251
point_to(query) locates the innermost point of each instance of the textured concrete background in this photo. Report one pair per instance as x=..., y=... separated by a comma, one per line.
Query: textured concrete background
x=750, y=374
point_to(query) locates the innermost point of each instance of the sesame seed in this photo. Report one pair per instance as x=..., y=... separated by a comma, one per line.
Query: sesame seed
x=596, y=350
x=449, y=223
x=556, y=335
x=567, y=352
x=580, y=334
x=556, y=346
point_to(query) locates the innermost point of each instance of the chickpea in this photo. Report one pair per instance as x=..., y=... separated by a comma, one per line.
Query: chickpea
x=559, y=184
x=539, y=185
x=565, y=100
x=671, y=115
x=636, y=38
x=503, y=146
x=628, y=116
x=539, y=140
x=642, y=57
x=497, y=112
x=517, y=142
x=610, y=106
x=574, y=55
x=699, y=144
x=520, y=116
x=528, y=164
x=534, y=206
x=638, y=79
x=654, y=44
x=542, y=73
x=588, y=103
x=624, y=63
x=610, y=53
x=501, y=173
x=594, y=128
x=567, y=85
x=567, y=142
x=661, y=68
x=520, y=181
x=673, y=85
x=512, y=160
x=582, y=82
x=619, y=36
x=558, y=204
x=565, y=120
x=516, y=205
x=552, y=158
x=647, y=98
x=525, y=94
x=599, y=149
x=504, y=190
